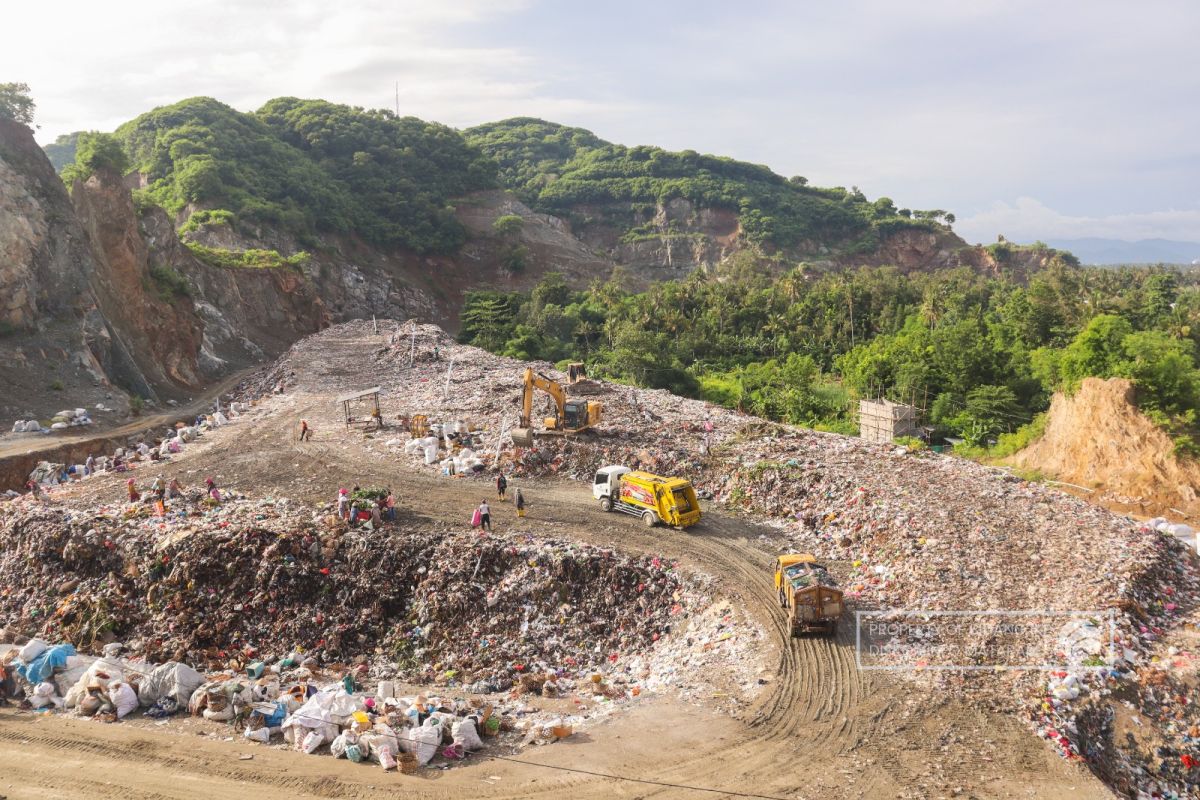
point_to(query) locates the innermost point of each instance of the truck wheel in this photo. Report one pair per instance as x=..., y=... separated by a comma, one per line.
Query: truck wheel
x=648, y=519
x=833, y=629
x=606, y=503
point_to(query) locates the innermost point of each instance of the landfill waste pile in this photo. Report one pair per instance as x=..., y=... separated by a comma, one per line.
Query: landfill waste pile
x=205, y=584
x=902, y=531
x=292, y=702
x=476, y=396
x=282, y=618
x=139, y=452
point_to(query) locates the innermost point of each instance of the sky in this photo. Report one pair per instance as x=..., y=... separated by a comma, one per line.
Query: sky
x=1035, y=120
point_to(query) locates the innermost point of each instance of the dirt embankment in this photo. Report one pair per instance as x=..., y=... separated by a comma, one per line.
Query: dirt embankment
x=1098, y=439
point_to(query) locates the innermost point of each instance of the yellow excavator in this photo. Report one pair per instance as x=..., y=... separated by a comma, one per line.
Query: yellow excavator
x=570, y=416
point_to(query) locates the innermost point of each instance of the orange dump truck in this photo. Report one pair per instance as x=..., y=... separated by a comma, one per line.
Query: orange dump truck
x=807, y=591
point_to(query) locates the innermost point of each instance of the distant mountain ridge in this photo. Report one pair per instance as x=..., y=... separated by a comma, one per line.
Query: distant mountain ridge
x=1098, y=250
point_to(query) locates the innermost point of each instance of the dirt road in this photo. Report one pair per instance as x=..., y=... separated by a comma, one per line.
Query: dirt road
x=20, y=453
x=820, y=727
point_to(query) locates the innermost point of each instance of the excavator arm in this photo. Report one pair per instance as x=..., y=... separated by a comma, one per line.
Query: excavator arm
x=536, y=380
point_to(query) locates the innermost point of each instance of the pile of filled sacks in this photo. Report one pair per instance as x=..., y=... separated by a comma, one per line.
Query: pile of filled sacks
x=109, y=687
x=387, y=731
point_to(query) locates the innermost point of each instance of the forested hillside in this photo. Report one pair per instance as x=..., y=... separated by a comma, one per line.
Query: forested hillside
x=983, y=354
x=309, y=166
x=565, y=171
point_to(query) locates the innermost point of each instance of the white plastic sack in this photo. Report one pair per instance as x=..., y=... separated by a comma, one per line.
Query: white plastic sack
x=114, y=670
x=465, y=735
x=312, y=741
x=124, y=698
x=44, y=694
x=32, y=650
x=338, y=746
x=431, y=454
x=72, y=672
x=423, y=741
x=81, y=412
x=171, y=679
x=220, y=419
x=382, y=742
x=341, y=706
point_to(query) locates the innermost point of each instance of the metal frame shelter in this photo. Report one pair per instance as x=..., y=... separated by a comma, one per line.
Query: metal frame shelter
x=354, y=397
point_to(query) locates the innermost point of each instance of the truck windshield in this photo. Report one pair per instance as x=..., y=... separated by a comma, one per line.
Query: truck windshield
x=601, y=477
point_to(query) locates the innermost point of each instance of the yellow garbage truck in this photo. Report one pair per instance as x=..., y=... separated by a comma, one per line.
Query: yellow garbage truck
x=653, y=498
x=808, y=592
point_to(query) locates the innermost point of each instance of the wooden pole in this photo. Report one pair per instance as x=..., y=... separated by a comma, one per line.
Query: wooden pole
x=446, y=391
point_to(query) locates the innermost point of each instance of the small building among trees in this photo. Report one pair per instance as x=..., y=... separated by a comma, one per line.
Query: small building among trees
x=882, y=420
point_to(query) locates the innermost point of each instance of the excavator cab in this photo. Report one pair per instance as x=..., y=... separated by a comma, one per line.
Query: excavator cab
x=575, y=414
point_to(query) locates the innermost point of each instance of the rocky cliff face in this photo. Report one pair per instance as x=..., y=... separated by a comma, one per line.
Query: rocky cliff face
x=246, y=315
x=355, y=281
x=44, y=256
x=156, y=330
x=97, y=299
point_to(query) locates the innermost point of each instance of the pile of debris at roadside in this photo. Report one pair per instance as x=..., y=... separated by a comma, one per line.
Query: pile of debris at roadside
x=139, y=452
x=292, y=700
x=67, y=418
x=205, y=582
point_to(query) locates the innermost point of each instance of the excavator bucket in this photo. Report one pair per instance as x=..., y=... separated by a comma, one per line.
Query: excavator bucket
x=522, y=437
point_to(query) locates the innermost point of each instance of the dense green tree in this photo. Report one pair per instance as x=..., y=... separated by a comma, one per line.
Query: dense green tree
x=94, y=152
x=16, y=104
x=310, y=167
x=61, y=151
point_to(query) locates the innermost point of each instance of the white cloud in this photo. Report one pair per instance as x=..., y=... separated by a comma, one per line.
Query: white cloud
x=1029, y=219
x=110, y=65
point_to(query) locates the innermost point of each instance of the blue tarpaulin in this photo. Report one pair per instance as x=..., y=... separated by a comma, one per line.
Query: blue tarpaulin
x=44, y=665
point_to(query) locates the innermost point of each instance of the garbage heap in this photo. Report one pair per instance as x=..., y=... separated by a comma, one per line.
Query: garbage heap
x=421, y=370
x=919, y=531
x=204, y=585
x=312, y=709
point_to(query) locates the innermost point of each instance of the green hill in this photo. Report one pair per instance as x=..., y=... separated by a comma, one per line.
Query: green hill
x=310, y=166
x=559, y=170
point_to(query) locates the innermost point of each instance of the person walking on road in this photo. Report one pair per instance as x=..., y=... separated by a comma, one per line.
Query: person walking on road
x=89, y=465
x=485, y=516
x=305, y=431
x=519, y=499
x=501, y=486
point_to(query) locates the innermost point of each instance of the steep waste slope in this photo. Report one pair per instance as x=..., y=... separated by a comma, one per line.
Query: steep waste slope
x=1098, y=439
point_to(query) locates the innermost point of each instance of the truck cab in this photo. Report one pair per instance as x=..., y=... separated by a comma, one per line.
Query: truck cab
x=652, y=498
